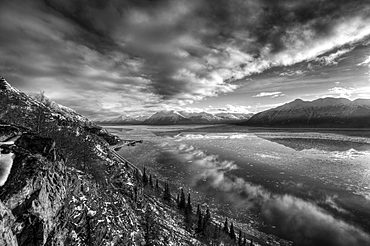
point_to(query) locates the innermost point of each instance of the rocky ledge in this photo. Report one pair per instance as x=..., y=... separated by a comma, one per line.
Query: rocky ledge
x=35, y=189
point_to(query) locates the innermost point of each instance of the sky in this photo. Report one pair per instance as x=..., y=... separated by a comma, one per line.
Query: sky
x=115, y=57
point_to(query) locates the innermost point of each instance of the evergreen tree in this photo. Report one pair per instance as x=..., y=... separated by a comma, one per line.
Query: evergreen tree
x=178, y=199
x=188, y=205
x=245, y=241
x=145, y=178
x=215, y=232
x=198, y=210
x=188, y=218
x=206, y=220
x=156, y=184
x=150, y=181
x=208, y=215
x=166, y=193
x=232, y=232
x=200, y=223
x=182, y=203
x=137, y=175
x=240, y=238
x=151, y=230
x=189, y=213
x=226, y=227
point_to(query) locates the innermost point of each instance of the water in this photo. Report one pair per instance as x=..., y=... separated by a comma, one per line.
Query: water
x=309, y=187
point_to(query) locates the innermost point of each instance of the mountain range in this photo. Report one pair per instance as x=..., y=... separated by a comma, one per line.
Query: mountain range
x=323, y=112
x=173, y=117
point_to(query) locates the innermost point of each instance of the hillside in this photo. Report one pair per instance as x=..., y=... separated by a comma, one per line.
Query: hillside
x=324, y=112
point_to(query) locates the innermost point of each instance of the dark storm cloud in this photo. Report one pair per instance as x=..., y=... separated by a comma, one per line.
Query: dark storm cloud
x=321, y=15
x=173, y=51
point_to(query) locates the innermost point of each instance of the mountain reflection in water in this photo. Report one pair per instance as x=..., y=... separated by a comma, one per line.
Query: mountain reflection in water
x=300, y=144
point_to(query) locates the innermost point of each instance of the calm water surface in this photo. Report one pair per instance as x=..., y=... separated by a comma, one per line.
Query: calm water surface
x=309, y=187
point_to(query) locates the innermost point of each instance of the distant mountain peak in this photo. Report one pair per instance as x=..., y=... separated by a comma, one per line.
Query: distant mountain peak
x=168, y=112
x=167, y=117
x=331, y=101
x=320, y=102
x=322, y=112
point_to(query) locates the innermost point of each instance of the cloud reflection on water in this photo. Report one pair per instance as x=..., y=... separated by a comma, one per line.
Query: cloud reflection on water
x=301, y=221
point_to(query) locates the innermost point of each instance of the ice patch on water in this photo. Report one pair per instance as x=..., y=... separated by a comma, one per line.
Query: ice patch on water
x=330, y=200
x=214, y=136
x=351, y=153
x=269, y=156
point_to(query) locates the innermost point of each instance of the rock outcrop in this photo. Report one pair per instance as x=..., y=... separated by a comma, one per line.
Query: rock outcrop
x=35, y=190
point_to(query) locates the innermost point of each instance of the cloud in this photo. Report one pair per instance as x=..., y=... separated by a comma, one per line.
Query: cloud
x=333, y=58
x=229, y=108
x=163, y=52
x=342, y=92
x=237, y=109
x=268, y=94
x=278, y=95
x=365, y=62
x=292, y=73
x=330, y=200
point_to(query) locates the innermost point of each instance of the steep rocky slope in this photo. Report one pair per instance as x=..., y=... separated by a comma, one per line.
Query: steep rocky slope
x=324, y=112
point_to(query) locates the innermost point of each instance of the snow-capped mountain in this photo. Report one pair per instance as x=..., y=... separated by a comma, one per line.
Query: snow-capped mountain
x=167, y=118
x=125, y=119
x=233, y=116
x=180, y=117
x=201, y=117
x=323, y=112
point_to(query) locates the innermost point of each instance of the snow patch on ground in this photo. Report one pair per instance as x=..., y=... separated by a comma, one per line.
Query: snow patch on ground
x=6, y=162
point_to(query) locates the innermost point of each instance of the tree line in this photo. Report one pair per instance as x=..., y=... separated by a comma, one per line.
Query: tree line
x=199, y=222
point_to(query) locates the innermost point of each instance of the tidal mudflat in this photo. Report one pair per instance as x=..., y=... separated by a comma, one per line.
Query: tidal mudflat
x=308, y=186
